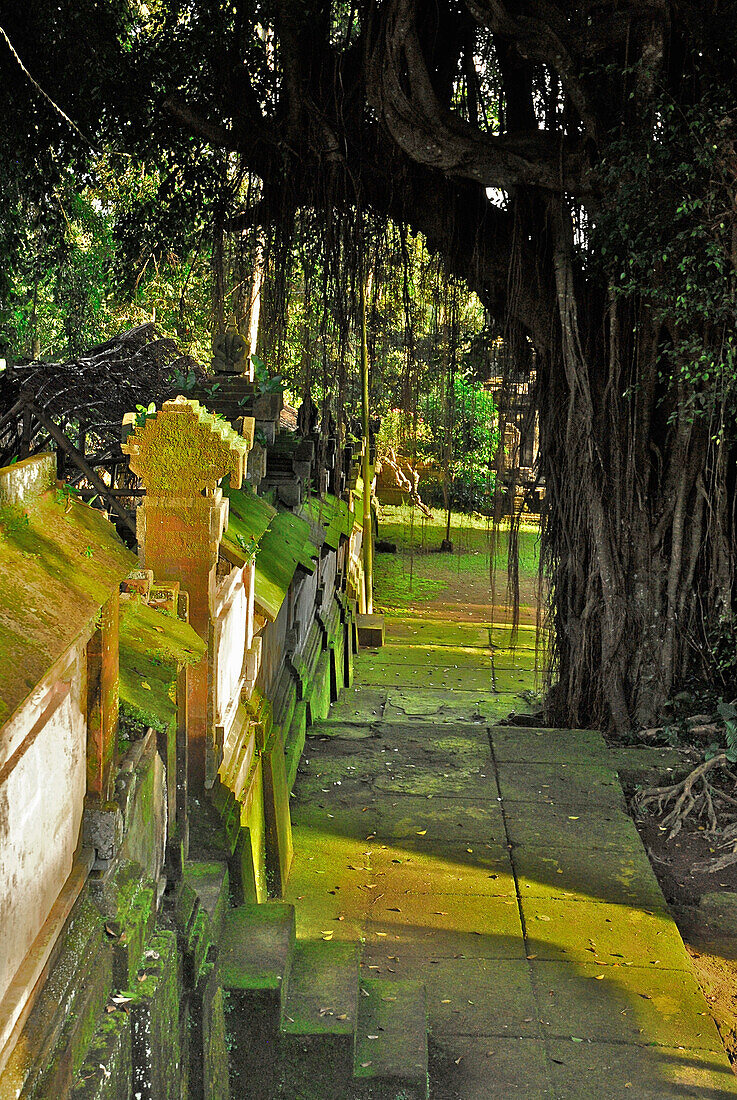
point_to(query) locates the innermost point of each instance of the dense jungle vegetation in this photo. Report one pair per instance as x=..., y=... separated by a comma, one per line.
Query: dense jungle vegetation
x=572, y=164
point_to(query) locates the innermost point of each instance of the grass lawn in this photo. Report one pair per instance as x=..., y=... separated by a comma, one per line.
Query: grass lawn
x=419, y=574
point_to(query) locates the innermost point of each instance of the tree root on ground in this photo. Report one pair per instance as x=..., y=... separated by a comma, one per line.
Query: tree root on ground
x=692, y=794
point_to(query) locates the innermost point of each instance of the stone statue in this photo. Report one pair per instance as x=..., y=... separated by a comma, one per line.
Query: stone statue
x=230, y=351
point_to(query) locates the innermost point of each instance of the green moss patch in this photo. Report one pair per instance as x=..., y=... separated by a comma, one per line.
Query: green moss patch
x=285, y=546
x=248, y=519
x=59, y=564
x=336, y=517
x=152, y=646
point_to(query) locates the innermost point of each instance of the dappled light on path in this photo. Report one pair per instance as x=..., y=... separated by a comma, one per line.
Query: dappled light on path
x=497, y=865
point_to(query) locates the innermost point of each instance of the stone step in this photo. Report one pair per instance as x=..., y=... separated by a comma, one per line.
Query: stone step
x=256, y=954
x=322, y=996
x=253, y=969
x=390, y=1058
x=319, y=1022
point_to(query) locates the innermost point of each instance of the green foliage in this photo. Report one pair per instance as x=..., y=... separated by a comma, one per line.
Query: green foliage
x=134, y=723
x=249, y=546
x=666, y=238
x=267, y=383
x=144, y=413
x=13, y=520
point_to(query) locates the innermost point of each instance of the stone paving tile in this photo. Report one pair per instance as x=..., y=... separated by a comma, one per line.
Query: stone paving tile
x=489, y=1069
x=560, y=784
x=436, y=632
x=458, y=1001
x=438, y=677
x=617, y=1071
x=443, y=867
x=625, y=1004
x=523, y=659
x=620, y=877
x=501, y=635
x=475, y=781
x=537, y=824
x=507, y=679
x=449, y=705
x=343, y=731
x=477, y=927
x=428, y=655
x=594, y=931
x=386, y=818
x=359, y=704
x=538, y=746
x=450, y=737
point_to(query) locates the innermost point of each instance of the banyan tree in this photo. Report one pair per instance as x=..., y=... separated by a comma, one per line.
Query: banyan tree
x=575, y=163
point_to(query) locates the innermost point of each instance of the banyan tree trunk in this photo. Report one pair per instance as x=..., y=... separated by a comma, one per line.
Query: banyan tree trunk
x=638, y=560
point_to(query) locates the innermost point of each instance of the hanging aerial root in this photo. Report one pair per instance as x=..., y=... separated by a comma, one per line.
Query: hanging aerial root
x=692, y=794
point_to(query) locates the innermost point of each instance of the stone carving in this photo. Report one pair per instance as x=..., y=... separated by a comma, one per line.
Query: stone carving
x=230, y=351
x=183, y=449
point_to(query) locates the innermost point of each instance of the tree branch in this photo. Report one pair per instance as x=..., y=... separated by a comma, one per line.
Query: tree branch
x=433, y=135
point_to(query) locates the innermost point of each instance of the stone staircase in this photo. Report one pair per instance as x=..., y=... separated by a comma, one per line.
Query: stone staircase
x=302, y=1023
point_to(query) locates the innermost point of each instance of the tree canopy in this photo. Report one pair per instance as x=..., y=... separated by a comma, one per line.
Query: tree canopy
x=574, y=162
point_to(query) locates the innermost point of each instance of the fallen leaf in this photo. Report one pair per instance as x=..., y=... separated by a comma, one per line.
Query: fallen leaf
x=421, y=832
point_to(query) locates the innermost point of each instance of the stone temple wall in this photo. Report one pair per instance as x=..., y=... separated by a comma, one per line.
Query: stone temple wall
x=128, y=1003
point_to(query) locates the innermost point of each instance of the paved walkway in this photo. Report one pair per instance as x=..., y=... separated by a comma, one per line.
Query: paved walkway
x=499, y=866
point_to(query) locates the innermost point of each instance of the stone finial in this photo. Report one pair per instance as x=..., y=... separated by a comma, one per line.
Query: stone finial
x=183, y=449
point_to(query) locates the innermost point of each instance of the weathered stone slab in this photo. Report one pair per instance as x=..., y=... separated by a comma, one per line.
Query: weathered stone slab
x=476, y=927
x=440, y=677
x=501, y=636
x=628, y=1004
x=370, y=630
x=605, y=1070
x=471, y=780
x=561, y=784
x=391, y=1042
x=386, y=818
x=594, y=931
x=449, y=740
x=450, y=705
x=522, y=659
x=492, y=1068
x=516, y=679
x=543, y=746
x=345, y=731
x=441, y=868
x=398, y=654
x=436, y=632
x=619, y=877
x=358, y=704
x=539, y=825
x=458, y=1001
